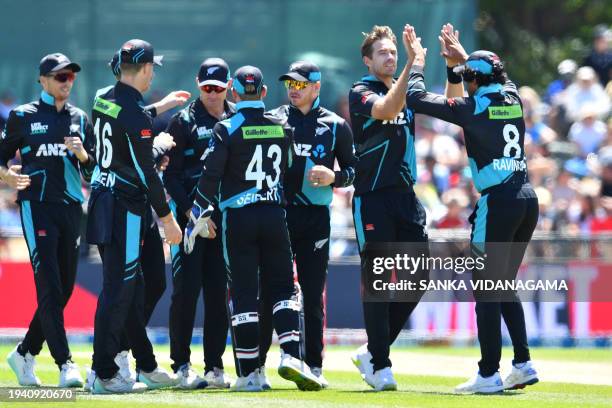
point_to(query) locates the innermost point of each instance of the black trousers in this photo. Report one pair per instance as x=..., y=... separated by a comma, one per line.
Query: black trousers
x=202, y=270
x=118, y=233
x=256, y=242
x=503, y=216
x=309, y=230
x=153, y=264
x=387, y=215
x=52, y=232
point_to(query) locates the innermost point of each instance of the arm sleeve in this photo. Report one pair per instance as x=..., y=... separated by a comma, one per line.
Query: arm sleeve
x=214, y=167
x=140, y=141
x=11, y=139
x=151, y=110
x=361, y=100
x=453, y=110
x=173, y=175
x=87, y=136
x=345, y=154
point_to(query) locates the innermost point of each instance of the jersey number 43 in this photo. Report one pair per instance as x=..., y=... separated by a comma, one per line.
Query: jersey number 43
x=255, y=172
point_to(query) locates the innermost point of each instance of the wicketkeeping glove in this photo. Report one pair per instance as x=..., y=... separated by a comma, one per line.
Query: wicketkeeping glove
x=196, y=226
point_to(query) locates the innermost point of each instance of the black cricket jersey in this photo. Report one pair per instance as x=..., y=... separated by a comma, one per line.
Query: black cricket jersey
x=319, y=138
x=248, y=155
x=123, y=149
x=384, y=148
x=493, y=127
x=37, y=130
x=191, y=128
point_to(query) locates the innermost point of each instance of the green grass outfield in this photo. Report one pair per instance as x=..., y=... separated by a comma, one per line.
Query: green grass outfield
x=347, y=389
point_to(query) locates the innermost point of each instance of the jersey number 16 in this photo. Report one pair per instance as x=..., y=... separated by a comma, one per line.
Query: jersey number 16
x=104, y=147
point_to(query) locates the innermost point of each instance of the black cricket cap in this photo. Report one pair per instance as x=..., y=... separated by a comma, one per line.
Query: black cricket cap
x=480, y=62
x=115, y=65
x=214, y=71
x=138, y=52
x=303, y=71
x=54, y=62
x=248, y=80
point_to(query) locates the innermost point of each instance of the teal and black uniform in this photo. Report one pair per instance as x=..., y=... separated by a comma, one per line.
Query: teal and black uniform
x=203, y=270
x=124, y=185
x=507, y=211
x=50, y=209
x=319, y=138
x=385, y=207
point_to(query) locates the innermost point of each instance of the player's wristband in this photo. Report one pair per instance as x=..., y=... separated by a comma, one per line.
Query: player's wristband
x=452, y=77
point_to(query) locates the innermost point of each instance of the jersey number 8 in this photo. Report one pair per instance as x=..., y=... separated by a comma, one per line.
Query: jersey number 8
x=511, y=136
x=104, y=147
x=254, y=171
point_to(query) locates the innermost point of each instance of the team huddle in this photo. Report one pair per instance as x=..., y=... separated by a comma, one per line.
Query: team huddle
x=249, y=194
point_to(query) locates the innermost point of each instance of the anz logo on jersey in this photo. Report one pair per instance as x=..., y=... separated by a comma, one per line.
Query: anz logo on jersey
x=401, y=119
x=51, y=149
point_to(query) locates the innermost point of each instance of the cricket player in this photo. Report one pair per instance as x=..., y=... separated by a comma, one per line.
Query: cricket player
x=153, y=262
x=204, y=268
x=50, y=135
x=507, y=211
x=123, y=186
x=320, y=137
x=385, y=207
x=245, y=164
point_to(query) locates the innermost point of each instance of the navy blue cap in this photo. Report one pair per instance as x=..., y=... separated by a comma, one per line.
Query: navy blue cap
x=55, y=62
x=248, y=80
x=303, y=71
x=481, y=62
x=115, y=65
x=214, y=71
x=138, y=52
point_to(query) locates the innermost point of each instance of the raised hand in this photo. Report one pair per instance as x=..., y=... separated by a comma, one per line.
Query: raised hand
x=450, y=47
x=414, y=48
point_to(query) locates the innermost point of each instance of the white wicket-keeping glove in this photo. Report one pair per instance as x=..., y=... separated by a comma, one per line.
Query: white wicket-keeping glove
x=162, y=144
x=196, y=226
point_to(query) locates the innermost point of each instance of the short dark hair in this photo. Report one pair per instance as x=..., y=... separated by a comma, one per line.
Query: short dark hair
x=377, y=33
x=131, y=69
x=250, y=97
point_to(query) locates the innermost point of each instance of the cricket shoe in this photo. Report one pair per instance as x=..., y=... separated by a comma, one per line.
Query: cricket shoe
x=90, y=376
x=116, y=385
x=362, y=360
x=383, y=380
x=481, y=385
x=250, y=383
x=23, y=367
x=216, y=378
x=122, y=360
x=522, y=375
x=189, y=379
x=158, y=378
x=263, y=379
x=318, y=372
x=295, y=370
x=70, y=376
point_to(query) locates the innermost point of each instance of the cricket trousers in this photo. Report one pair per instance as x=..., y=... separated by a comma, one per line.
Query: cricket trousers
x=153, y=264
x=309, y=230
x=256, y=242
x=387, y=215
x=52, y=232
x=201, y=271
x=118, y=234
x=502, y=215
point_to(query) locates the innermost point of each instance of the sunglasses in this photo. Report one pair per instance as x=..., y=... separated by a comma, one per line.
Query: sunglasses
x=64, y=76
x=298, y=85
x=212, y=88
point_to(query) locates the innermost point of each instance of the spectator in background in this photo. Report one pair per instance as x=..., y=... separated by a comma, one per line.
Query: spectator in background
x=566, y=70
x=588, y=132
x=600, y=58
x=585, y=90
x=7, y=103
x=605, y=161
x=537, y=131
x=456, y=202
